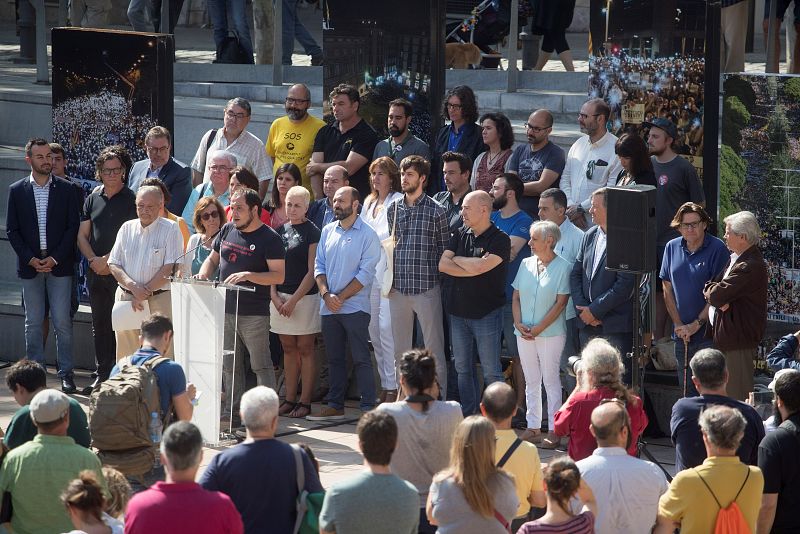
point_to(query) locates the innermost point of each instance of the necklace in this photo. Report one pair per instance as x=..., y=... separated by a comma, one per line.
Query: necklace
x=491, y=160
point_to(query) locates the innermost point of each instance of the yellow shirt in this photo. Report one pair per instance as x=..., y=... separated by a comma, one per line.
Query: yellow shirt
x=290, y=142
x=524, y=465
x=688, y=501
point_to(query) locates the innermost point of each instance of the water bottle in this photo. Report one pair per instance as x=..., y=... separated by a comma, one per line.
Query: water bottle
x=156, y=428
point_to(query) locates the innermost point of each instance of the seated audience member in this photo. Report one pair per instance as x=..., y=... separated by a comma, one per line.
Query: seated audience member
x=784, y=355
x=119, y=492
x=36, y=472
x=182, y=225
x=375, y=496
x=179, y=504
x=426, y=426
x=710, y=377
x=563, y=482
x=695, y=496
x=472, y=495
x=627, y=488
x=25, y=379
x=242, y=178
x=599, y=377
x=208, y=218
x=259, y=475
x=778, y=459
x=514, y=456
x=86, y=505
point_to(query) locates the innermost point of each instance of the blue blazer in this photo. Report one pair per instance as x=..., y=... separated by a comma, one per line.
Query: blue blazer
x=612, y=291
x=175, y=175
x=22, y=226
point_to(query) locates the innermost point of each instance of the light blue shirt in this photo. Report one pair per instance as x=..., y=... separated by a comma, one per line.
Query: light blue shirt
x=538, y=292
x=568, y=247
x=343, y=255
x=208, y=190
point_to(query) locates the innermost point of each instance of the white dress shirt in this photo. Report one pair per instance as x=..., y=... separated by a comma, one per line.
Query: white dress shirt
x=142, y=251
x=379, y=223
x=627, y=490
x=247, y=148
x=582, y=160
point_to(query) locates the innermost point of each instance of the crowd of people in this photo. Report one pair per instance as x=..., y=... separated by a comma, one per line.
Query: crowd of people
x=479, y=248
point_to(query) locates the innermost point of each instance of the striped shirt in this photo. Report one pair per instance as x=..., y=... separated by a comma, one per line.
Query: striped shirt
x=41, y=195
x=421, y=237
x=580, y=524
x=141, y=252
x=247, y=148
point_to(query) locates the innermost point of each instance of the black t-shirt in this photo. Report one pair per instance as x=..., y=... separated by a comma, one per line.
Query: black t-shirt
x=779, y=460
x=475, y=296
x=689, y=448
x=296, y=240
x=247, y=251
x=107, y=216
x=336, y=146
x=676, y=184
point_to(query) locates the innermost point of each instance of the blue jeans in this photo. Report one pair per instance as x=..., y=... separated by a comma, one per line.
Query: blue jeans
x=693, y=347
x=337, y=330
x=230, y=15
x=292, y=28
x=508, y=332
x=572, y=347
x=58, y=290
x=485, y=332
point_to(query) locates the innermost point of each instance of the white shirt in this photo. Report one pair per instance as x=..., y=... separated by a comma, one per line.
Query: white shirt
x=712, y=311
x=627, y=490
x=142, y=251
x=41, y=196
x=380, y=224
x=582, y=153
x=568, y=247
x=247, y=148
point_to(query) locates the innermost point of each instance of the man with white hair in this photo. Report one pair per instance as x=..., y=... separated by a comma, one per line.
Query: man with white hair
x=738, y=302
x=259, y=475
x=220, y=165
x=144, y=254
x=179, y=504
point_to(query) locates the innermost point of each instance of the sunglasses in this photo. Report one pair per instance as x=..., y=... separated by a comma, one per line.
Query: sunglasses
x=208, y=216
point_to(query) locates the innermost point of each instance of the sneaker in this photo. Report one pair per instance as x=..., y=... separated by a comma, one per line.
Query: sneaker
x=328, y=413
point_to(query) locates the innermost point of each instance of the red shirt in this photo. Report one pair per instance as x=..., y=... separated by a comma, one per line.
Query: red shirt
x=573, y=420
x=182, y=507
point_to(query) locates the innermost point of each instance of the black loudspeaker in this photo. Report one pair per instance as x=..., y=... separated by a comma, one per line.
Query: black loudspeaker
x=631, y=241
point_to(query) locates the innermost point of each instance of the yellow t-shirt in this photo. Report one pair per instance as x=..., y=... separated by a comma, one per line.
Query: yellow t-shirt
x=290, y=142
x=690, y=503
x=524, y=465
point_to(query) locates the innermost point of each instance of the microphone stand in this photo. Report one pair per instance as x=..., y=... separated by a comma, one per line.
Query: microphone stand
x=203, y=242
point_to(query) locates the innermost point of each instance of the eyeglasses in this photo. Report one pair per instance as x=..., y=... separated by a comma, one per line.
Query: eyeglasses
x=536, y=129
x=211, y=215
x=116, y=171
x=238, y=116
x=221, y=168
x=590, y=169
x=584, y=116
x=453, y=106
x=158, y=149
x=292, y=101
x=691, y=225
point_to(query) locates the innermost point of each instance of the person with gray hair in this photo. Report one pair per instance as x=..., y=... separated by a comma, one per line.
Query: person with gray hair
x=179, y=504
x=259, y=474
x=737, y=299
x=220, y=167
x=710, y=377
x=541, y=292
x=695, y=496
x=599, y=377
x=176, y=175
x=233, y=137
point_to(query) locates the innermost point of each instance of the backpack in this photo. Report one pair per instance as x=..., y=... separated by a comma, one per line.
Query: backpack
x=730, y=519
x=309, y=505
x=119, y=416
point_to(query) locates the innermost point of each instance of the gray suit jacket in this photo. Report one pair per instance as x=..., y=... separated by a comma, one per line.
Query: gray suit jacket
x=176, y=176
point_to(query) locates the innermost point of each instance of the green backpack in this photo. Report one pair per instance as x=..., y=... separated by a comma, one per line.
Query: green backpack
x=309, y=505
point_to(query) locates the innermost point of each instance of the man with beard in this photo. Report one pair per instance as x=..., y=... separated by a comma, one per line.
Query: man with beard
x=348, y=142
x=42, y=226
x=401, y=141
x=344, y=268
x=457, y=169
x=591, y=163
x=508, y=217
x=540, y=163
x=291, y=138
x=248, y=253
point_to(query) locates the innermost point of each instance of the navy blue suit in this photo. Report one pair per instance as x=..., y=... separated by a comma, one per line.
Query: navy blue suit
x=176, y=176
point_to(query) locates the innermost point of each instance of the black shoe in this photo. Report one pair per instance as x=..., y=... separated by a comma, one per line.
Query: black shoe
x=68, y=384
x=91, y=387
x=317, y=61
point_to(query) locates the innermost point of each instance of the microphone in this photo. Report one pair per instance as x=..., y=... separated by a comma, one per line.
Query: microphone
x=203, y=242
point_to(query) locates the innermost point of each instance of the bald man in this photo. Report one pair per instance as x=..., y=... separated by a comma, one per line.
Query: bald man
x=476, y=259
x=320, y=212
x=627, y=489
x=144, y=253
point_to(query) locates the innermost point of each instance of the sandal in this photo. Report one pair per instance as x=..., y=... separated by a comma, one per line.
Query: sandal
x=300, y=411
x=286, y=407
x=550, y=441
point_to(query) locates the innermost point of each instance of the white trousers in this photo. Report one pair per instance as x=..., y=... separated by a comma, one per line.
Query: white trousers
x=540, y=360
x=380, y=333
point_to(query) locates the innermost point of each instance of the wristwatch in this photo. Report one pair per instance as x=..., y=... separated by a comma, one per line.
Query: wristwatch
x=323, y=294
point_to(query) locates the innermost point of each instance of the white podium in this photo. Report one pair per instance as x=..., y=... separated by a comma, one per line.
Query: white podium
x=198, y=316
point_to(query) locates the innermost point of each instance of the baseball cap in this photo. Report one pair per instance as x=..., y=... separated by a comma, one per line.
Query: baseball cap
x=664, y=124
x=48, y=405
x=771, y=385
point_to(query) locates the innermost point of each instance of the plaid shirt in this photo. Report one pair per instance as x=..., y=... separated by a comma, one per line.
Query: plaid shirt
x=421, y=235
